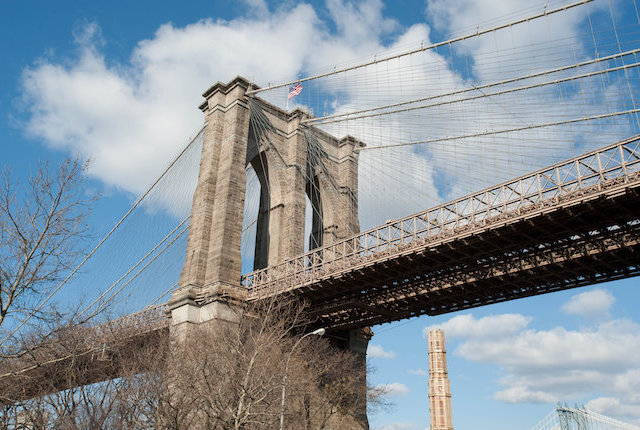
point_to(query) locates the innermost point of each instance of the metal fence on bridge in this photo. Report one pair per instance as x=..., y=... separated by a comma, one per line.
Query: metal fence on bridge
x=590, y=173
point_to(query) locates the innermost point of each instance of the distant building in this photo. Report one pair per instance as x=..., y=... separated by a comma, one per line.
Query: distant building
x=439, y=388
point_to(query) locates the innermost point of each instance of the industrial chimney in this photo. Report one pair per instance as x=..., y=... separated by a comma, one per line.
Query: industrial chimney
x=439, y=388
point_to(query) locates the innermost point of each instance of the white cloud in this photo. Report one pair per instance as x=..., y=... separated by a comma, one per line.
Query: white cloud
x=393, y=389
x=419, y=372
x=465, y=16
x=131, y=117
x=590, y=304
x=521, y=394
x=545, y=366
x=359, y=22
x=538, y=45
x=467, y=326
x=604, y=347
x=377, y=351
x=615, y=407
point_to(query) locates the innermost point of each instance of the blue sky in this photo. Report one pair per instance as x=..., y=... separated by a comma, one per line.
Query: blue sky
x=93, y=78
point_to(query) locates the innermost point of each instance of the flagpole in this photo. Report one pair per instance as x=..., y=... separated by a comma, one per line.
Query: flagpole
x=294, y=91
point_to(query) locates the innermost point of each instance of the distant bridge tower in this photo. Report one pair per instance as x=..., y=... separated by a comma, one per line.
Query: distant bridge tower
x=439, y=388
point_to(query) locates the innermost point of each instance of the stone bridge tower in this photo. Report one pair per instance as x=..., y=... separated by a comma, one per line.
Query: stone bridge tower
x=292, y=161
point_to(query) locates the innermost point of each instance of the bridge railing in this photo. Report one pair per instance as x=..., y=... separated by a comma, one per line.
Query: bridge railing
x=147, y=320
x=76, y=341
x=592, y=171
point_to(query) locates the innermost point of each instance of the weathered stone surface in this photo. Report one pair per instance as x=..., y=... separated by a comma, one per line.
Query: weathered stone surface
x=297, y=162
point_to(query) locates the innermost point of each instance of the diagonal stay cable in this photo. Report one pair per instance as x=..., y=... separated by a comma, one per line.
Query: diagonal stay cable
x=424, y=48
x=102, y=241
x=506, y=130
x=357, y=114
x=105, y=292
x=164, y=293
x=122, y=287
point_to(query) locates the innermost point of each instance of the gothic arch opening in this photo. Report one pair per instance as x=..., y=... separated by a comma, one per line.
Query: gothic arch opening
x=313, y=215
x=261, y=255
x=255, y=219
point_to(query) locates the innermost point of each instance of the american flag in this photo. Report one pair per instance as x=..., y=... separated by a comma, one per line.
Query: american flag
x=294, y=91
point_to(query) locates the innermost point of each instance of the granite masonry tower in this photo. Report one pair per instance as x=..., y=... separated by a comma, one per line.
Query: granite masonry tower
x=439, y=388
x=293, y=162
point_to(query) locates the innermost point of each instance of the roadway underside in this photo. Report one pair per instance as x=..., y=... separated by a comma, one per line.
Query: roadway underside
x=79, y=357
x=579, y=242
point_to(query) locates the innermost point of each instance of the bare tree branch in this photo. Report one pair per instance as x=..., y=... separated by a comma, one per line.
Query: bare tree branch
x=41, y=226
x=223, y=375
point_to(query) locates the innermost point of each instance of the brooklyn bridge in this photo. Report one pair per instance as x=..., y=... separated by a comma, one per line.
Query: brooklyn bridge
x=301, y=178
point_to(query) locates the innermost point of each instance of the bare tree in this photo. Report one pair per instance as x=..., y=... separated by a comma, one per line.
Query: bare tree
x=329, y=389
x=116, y=387
x=223, y=375
x=230, y=375
x=41, y=223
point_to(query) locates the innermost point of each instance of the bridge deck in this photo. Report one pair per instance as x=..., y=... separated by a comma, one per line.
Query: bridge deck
x=571, y=224
x=83, y=355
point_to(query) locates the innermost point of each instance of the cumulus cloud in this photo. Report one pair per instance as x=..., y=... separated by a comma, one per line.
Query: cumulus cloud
x=393, y=389
x=468, y=326
x=611, y=406
x=538, y=45
x=602, y=348
x=590, y=304
x=377, y=351
x=558, y=364
x=521, y=394
x=131, y=117
x=465, y=16
x=419, y=372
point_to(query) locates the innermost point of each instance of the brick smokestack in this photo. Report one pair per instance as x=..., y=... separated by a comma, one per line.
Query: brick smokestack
x=439, y=388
